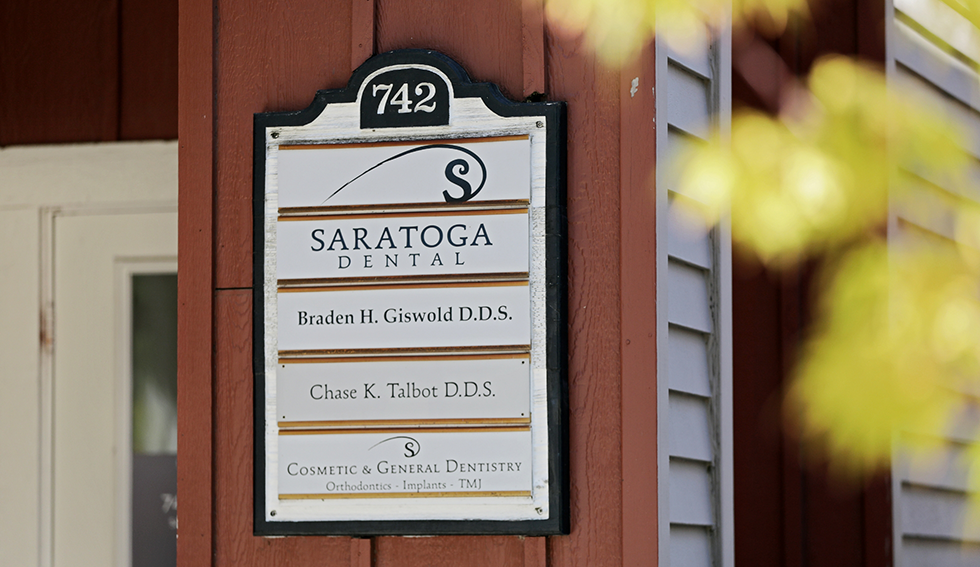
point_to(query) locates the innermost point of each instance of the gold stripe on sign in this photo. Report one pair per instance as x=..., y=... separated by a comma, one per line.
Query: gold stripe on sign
x=286, y=284
x=405, y=358
x=400, y=209
x=407, y=423
x=490, y=429
x=405, y=143
x=402, y=352
x=423, y=285
x=312, y=216
x=348, y=495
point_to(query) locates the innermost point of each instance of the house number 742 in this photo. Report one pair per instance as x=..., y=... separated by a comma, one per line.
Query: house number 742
x=401, y=99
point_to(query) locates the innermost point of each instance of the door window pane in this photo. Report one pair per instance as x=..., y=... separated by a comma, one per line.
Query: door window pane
x=154, y=359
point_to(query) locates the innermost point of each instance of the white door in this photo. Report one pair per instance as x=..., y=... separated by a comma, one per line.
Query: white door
x=98, y=261
x=84, y=228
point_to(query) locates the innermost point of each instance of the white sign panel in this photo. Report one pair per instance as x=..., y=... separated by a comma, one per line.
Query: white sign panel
x=496, y=168
x=403, y=245
x=409, y=312
x=421, y=393
x=464, y=463
x=395, y=317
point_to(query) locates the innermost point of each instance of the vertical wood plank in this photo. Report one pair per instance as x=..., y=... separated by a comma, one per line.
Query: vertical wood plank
x=362, y=32
x=118, y=58
x=271, y=56
x=594, y=306
x=233, y=424
x=834, y=521
x=535, y=552
x=823, y=514
x=195, y=282
x=871, y=30
x=833, y=29
x=471, y=551
x=794, y=476
x=757, y=391
x=532, y=34
x=148, y=70
x=808, y=521
x=360, y=549
x=485, y=37
x=878, y=523
x=59, y=71
x=638, y=251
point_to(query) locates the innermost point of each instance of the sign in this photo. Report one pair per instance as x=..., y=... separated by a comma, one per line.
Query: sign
x=410, y=309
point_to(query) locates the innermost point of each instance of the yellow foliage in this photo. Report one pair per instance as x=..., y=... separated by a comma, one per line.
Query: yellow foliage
x=894, y=348
x=896, y=341
x=618, y=29
x=797, y=185
x=896, y=338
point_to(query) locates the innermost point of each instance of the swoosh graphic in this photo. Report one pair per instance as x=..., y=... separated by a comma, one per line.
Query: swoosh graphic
x=483, y=167
x=412, y=447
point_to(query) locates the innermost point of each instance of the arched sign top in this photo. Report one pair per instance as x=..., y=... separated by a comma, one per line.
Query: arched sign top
x=419, y=62
x=409, y=313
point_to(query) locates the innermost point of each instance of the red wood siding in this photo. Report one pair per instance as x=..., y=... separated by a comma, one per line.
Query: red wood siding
x=87, y=71
x=638, y=267
x=195, y=283
x=264, y=55
x=148, y=70
x=788, y=510
x=486, y=35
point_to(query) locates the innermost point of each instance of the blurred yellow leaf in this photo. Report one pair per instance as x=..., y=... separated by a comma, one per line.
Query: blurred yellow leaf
x=894, y=348
x=896, y=340
x=618, y=29
x=816, y=180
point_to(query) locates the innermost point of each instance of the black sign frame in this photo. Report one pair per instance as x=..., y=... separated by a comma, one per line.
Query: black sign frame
x=553, y=115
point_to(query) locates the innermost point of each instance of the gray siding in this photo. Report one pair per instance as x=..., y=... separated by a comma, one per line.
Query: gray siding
x=694, y=350
x=931, y=498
